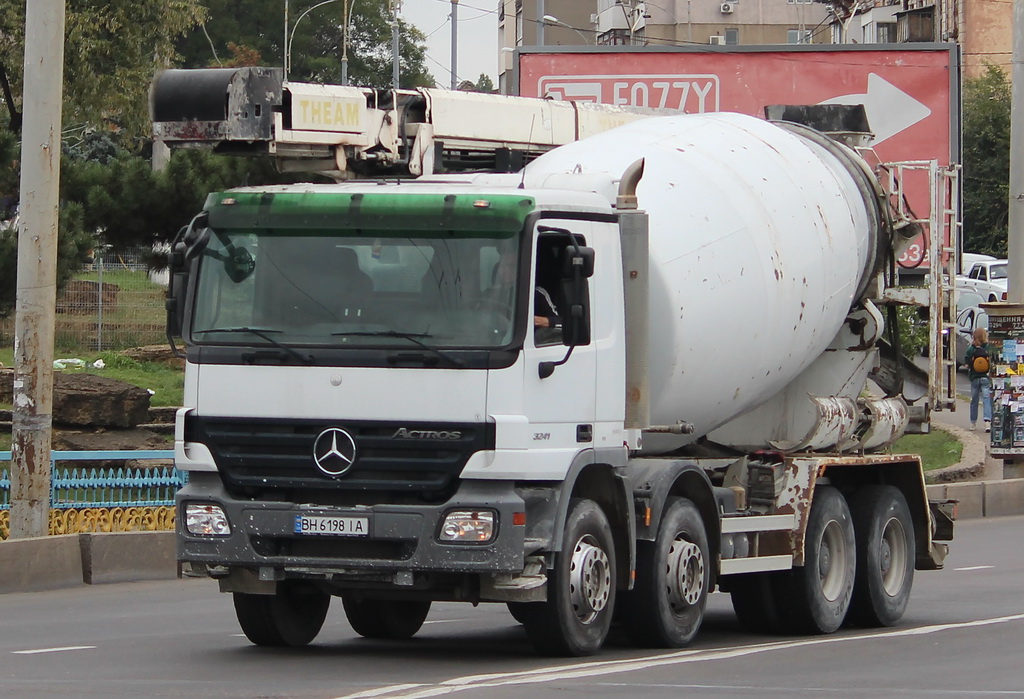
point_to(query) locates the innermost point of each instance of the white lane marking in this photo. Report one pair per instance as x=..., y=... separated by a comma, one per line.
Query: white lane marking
x=50, y=650
x=445, y=621
x=789, y=691
x=974, y=568
x=385, y=690
x=592, y=669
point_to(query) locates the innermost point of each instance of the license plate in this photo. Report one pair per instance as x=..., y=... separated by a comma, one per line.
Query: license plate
x=332, y=526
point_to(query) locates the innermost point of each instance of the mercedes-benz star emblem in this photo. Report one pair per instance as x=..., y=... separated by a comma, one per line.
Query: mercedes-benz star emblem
x=334, y=451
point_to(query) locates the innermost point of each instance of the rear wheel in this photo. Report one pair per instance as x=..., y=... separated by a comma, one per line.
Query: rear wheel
x=815, y=598
x=885, y=556
x=753, y=600
x=575, y=619
x=292, y=617
x=666, y=607
x=393, y=620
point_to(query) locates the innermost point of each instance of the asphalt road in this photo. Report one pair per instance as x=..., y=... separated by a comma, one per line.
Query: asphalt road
x=961, y=637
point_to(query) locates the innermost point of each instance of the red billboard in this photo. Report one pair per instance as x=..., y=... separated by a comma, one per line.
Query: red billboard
x=910, y=93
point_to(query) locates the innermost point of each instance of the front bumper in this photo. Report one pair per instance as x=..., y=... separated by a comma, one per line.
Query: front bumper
x=401, y=538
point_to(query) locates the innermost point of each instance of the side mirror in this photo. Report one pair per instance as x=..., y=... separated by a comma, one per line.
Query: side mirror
x=239, y=265
x=576, y=312
x=573, y=259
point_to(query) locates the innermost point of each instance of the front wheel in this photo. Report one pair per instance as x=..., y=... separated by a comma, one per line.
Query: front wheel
x=816, y=597
x=575, y=619
x=291, y=617
x=885, y=556
x=394, y=620
x=666, y=606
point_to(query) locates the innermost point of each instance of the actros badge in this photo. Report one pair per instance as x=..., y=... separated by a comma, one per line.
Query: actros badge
x=334, y=451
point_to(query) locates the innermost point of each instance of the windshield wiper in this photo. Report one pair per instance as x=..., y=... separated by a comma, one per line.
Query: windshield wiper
x=412, y=337
x=264, y=333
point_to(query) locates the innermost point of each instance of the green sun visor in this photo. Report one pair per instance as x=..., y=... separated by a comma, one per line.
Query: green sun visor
x=451, y=213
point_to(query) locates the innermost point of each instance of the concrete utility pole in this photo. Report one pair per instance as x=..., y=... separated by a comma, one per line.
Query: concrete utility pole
x=37, y=269
x=1015, y=234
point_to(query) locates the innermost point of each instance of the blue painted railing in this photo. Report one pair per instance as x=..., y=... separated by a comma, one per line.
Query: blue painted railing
x=105, y=487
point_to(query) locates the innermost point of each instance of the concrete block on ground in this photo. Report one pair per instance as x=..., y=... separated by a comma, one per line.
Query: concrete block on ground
x=128, y=556
x=1004, y=497
x=40, y=563
x=971, y=497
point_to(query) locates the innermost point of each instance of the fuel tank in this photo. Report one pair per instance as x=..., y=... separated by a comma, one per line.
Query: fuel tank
x=762, y=239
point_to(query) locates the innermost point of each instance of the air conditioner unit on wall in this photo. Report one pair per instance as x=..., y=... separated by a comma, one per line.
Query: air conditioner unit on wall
x=717, y=40
x=728, y=7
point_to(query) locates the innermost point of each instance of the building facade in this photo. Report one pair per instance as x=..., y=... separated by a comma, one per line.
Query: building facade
x=665, y=23
x=982, y=28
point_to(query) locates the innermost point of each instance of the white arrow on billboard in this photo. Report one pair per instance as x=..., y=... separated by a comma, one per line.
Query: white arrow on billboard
x=889, y=109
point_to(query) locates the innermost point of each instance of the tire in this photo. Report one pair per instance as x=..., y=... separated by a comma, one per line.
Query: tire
x=393, y=620
x=815, y=598
x=666, y=606
x=885, y=556
x=292, y=617
x=575, y=619
x=753, y=600
x=520, y=611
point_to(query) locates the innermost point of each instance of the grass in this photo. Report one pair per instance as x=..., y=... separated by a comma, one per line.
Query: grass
x=938, y=449
x=166, y=382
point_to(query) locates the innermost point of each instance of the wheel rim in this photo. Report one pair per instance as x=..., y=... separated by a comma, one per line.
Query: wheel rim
x=892, y=557
x=590, y=580
x=832, y=561
x=684, y=574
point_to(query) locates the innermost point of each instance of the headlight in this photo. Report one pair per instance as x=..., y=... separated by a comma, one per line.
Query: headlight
x=467, y=526
x=206, y=520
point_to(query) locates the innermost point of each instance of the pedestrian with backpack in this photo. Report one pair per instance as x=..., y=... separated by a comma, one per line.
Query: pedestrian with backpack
x=979, y=364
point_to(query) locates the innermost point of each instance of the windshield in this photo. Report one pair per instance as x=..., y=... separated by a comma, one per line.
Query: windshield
x=338, y=288
x=997, y=272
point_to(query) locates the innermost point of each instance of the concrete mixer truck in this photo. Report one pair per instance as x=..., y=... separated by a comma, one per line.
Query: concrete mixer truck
x=626, y=373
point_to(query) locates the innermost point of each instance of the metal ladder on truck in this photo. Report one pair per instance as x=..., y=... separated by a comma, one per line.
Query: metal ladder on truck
x=940, y=250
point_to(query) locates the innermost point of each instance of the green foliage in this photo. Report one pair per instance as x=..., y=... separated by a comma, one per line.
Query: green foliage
x=482, y=84
x=130, y=205
x=73, y=245
x=485, y=84
x=256, y=28
x=913, y=329
x=112, y=48
x=986, y=162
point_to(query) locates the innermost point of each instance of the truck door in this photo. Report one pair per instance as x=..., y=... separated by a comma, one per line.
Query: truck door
x=561, y=406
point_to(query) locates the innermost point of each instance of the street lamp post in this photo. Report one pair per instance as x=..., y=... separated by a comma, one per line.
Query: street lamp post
x=396, y=5
x=455, y=43
x=551, y=19
x=290, y=36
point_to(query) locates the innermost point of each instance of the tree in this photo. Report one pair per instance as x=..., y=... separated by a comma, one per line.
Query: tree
x=111, y=50
x=256, y=27
x=483, y=84
x=986, y=162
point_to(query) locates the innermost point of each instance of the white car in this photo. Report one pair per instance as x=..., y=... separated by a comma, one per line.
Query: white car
x=987, y=278
x=969, y=315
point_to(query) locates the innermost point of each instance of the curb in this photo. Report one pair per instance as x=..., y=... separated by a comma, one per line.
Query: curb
x=69, y=560
x=972, y=459
x=966, y=481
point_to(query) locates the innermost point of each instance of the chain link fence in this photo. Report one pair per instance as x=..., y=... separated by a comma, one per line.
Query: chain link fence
x=114, y=303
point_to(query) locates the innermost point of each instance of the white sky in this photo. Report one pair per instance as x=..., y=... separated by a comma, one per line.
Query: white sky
x=478, y=37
